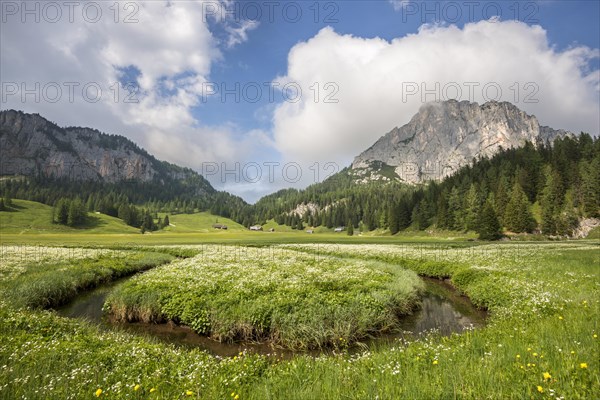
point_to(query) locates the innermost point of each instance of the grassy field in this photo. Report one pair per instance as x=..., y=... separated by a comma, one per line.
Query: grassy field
x=31, y=223
x=285, y=297
x=31, y=218
x=199, y=223
x=541, y=340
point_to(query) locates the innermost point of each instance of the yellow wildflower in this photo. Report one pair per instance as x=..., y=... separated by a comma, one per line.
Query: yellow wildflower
x=189, y=392
x=518, y=356
x=535, y=354
x=232, y=394
x=136, y=387
x=540, y=389
x=152, y=390
x=98, y=392
x=560, y=317
x=546, y=376
x=435, y=362
x=583, y=365
x=237, y=396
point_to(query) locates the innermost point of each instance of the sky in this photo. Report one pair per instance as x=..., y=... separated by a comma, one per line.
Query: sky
x=258, y=96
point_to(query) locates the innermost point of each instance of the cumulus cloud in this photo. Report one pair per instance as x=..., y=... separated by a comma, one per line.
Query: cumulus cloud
x=165, y=49
x=383, y=83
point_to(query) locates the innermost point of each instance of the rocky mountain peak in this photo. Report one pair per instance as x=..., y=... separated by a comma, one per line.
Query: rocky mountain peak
x=444, y=136
x=30, y=145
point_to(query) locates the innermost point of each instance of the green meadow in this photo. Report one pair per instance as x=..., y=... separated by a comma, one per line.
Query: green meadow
x=293, y=290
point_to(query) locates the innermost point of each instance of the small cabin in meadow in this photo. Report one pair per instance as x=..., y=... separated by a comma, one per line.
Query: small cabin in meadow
x=309, y=231
x=256, y=228
x=339, y=229
x=219, y=226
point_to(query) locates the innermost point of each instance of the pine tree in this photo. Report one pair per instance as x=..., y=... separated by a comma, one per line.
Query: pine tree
x=489, y=226
x=501, y=196
x=166, y=222
x=472, y=209
x=124, y=213
x=403, y=215
x=455, y=210
x=551, y=201
x=2, y=206
x=517, y=216
x=393, y=220
x=442, y=220
x=590, y=187
x=61, y=211
x=77, y=213
x=567, y=220
x=350, y=228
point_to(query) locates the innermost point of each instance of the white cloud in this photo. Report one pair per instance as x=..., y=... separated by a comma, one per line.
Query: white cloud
x=239, y=33
x=399, y=4
x=168, y=45
x=372, y=75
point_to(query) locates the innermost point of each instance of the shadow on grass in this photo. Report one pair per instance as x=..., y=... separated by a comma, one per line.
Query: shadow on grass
x=13, y=208
x=91, y=222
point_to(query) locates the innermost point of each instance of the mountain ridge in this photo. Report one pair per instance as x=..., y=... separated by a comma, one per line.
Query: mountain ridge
x=444, y=136
x=31, y=145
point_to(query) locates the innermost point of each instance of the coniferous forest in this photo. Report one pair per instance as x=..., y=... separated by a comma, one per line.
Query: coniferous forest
x=545, y=189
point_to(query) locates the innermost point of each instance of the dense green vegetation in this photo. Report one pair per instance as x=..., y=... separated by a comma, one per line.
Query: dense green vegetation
x=541, y=340
x=530, y=189
x=287, y=298
x=42, y=282
x=131, y=201
x=28, y=217
x=563, y=180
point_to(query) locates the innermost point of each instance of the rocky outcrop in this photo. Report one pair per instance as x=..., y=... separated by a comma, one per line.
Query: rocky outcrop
x=33, y=146
x=586, y=225
x=442, y=137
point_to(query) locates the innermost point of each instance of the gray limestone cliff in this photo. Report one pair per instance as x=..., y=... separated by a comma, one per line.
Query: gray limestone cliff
x=442, y=137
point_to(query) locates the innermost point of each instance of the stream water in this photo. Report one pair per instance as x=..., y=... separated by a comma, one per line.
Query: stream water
x=442, y=310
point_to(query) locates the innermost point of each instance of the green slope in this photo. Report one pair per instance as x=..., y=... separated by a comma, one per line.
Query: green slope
x=31, y=217
x=200, y=223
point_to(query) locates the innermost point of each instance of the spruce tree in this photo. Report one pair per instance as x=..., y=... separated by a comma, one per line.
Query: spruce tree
x=166, y=222
x=472, y=209
x=489, y=226
x=403, y=216
x=350, y=228
x=454, y=210
x=77, y=213
x=393, y=220
x=61, y=211
x=517, y=216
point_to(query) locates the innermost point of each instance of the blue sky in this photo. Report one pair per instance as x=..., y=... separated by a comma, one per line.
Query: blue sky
x=541, y=55
x=264, y=55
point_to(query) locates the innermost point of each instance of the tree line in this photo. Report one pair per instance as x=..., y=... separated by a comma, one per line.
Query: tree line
x=545, y=188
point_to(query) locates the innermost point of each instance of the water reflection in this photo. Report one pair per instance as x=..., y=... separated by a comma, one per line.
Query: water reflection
x=443, y=310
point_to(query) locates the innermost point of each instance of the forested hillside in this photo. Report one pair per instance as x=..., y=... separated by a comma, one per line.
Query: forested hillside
x=546, y=188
